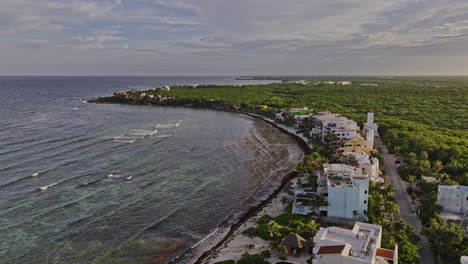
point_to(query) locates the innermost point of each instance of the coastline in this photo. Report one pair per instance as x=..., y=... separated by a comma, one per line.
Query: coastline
x=205, y=248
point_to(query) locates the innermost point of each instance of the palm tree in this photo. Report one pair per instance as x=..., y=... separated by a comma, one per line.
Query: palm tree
x=318, y=202
x=273, y=229
x=411, y=179
x=397, y=150
x=412, y=158
x=284, y=199
x=437, y=167
x=423, y=166
x=424, y=155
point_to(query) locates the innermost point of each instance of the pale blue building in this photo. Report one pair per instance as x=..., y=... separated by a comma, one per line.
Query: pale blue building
x=347, y=192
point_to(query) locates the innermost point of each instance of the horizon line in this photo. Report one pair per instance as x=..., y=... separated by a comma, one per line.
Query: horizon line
x=240, y=75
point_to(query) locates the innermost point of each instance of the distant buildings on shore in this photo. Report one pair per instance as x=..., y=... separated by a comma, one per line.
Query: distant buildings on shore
x=312, y=82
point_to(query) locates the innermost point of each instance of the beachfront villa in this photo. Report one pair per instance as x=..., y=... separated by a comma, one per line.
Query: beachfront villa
x=299, y=120
x=368, y=165
x=358, y=244
x=300, y=115
x=342, y=127
x=346, y=189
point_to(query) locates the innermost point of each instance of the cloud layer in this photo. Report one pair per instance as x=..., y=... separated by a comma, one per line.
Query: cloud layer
x=225, y=37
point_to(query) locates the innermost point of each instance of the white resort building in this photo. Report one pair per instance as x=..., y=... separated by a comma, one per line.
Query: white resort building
x=358, y=244
x=368, y=165
x=342, y=127
x=346, y=189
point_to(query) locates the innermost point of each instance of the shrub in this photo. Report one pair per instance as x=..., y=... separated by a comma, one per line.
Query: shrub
x=262, y=232
x=283, y=256
x=285, y=218
x=250, y=232
x=264, y=219
x=252, y=259
x=229, y=261
x=265, y=254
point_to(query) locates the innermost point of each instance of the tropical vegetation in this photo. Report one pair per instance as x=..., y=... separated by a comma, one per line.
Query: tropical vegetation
x=421, y=119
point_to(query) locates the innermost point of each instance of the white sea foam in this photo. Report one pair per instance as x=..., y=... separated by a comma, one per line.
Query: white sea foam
x=35, y=174
x=47, y=186
x=167, y=125
x=125, y=141
x=212, y=233
x=163, y=136
x=141, y=132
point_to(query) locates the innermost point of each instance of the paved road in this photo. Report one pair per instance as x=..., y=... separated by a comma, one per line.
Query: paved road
x=407, y=209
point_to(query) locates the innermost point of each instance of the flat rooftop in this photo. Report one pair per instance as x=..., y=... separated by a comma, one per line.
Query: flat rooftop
x=361, y=241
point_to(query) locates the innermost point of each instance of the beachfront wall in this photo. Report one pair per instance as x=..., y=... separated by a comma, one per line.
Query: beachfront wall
x=346, y=199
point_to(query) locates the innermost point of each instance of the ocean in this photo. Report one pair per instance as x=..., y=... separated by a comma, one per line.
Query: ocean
x=101, y=183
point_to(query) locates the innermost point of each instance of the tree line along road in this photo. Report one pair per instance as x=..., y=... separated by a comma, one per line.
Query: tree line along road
x=407, y=209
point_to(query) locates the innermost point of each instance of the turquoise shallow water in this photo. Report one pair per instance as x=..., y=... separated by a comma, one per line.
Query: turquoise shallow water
x=121, y=183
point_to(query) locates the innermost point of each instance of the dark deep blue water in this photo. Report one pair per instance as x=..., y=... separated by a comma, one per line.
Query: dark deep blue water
x=127, y=184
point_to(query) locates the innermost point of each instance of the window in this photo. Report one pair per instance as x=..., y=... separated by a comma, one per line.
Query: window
x=365, y=201
x=467, y=198
x=365, y=192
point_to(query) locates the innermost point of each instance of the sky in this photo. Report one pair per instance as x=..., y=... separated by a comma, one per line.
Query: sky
x=234, y=37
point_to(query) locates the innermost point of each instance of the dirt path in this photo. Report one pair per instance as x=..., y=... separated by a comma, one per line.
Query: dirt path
x=407, y=209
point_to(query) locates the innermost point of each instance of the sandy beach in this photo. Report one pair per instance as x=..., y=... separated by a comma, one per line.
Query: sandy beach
x=236, y=244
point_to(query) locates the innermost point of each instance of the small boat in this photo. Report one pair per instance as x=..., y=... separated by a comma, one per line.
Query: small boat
x=129, y=178
x=35, y=174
